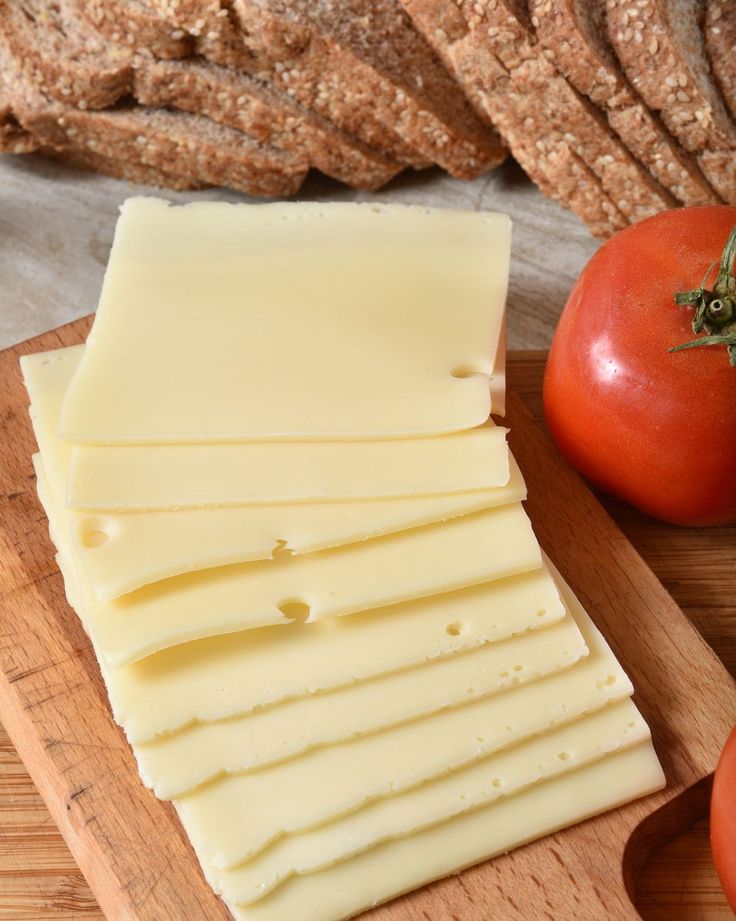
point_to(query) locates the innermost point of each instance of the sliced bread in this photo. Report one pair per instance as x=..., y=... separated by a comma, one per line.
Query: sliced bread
x=121, y=168
x=239, y=101
x=212, y=34
x=574, y=32
x=362, y=66
x=195, y=148
x=543, y=153
x=507, y=29
x=720, y=43
x=14, y=138
x=536, y=101
x=661, y=46
x=73, y=63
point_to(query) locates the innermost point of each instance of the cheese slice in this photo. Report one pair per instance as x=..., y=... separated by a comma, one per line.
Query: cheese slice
x=292, y=321
x=143, y=477
x=224, y=676
x=235, y=817
x=563, y=749
x=121, y=552
x=177, y=763
x=476, y=548
x=399, y=866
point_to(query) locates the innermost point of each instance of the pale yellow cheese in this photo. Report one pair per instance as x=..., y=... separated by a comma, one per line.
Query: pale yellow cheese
x=476, y=548
x=121, y=552
x=563, y=749
x=230, y=675
x=395, y=867
x=225, y=676
x=177, y=763
x=141, y=477
x=234, y=817
x=292, y=321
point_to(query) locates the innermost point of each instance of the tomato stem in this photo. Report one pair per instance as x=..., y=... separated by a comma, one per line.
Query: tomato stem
x=715, y=308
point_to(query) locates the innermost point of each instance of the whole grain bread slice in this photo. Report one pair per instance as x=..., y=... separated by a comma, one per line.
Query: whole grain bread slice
x=574, y=33
x=374, y=50
x=661, y=46
x=544, y=153
x=720, y=43
x=209, y=32
x=362, y=66
x=121, y=168
x=534, y=101
x=187, y=146
x=75, y=64
x=508, y=31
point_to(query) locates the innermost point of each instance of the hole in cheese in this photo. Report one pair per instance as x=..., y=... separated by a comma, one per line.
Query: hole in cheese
x=469, y=371
x=455, y=628
x=295, y=610
x=95, y=532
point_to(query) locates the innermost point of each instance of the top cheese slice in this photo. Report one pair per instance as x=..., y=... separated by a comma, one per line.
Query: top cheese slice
x=307, y=321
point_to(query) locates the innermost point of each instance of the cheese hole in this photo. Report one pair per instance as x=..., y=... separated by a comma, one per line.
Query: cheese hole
x=95, y=532
x=564, y=756
x=631, y=725
x=496, y=782
x=94, y=538
x=455, y=628
x=295, y=611
x=504, y=674
x=518, y=668
x=469, y=371
x=611, y=679
x=541, y=612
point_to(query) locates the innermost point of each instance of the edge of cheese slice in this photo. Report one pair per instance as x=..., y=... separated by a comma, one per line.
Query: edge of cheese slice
x=398, y=866
x=504, y=774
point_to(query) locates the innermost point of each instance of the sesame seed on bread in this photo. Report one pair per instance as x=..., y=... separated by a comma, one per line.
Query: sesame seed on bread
x=720, y=43
x=531, y=103
x=364, y=67
x=661, y=45
x=188, y=146
x=507, y=29
x=70, y=61
x=220, y=40
x=574, y=33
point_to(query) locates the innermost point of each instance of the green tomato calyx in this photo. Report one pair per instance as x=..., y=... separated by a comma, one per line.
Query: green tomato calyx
x=715, y=308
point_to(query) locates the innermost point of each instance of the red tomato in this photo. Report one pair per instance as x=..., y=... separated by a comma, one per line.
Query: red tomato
x=723, y=819
x=654, y=427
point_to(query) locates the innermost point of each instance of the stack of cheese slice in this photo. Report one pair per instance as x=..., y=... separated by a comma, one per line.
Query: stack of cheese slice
x=297, y=544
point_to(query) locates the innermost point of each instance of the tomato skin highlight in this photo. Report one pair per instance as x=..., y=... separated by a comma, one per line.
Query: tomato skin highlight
x=657, y=429
x=723, y=819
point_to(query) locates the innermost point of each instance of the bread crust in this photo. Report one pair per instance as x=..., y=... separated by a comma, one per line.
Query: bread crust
x=662, y=53
x=412, y=112
x=193, y=149
x=580, y=51
x=720, y=43
x=76, y=65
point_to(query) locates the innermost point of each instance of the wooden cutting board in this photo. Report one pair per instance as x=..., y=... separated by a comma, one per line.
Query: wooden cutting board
x=130, y=846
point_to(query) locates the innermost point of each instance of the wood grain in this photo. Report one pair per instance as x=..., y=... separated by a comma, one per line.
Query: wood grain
x=130, y=846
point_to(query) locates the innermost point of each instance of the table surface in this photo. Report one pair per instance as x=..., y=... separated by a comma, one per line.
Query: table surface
x=55, y=231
